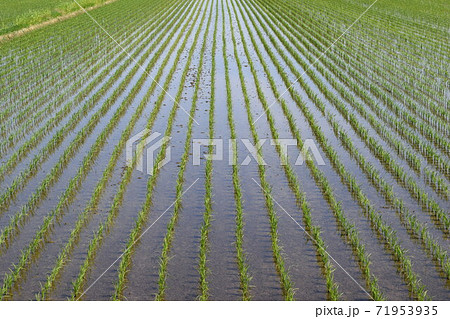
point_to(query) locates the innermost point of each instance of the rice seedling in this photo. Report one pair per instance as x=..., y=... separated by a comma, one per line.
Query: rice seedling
x=370, y=85
x=45, y=71
x=18, y=218
x=78, y=89
x=430, y=244
x=46, y=129
x=167, y=242
x=68, y=195
x=384, y=38
x=350, y=43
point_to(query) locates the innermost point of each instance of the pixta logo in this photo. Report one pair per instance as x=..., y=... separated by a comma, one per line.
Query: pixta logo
x=309, y=151
x=145, y=148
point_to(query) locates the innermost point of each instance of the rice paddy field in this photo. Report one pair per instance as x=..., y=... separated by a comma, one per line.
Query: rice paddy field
x=366, y=83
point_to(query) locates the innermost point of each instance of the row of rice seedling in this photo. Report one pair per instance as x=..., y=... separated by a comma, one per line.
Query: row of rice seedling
x=78, y=284
x=286, y=283
x=40, y=107
x=59, y=101
x=412, y=23
x=34, y=95
x=208, y=201
x=393, y=167
x=417, y=118
x=24, y=57
x=439, y=183
x=244, y=275
x=427, y=150
x=177, y=207
x=348, y=50
x=402, y=78
x=50, y=100
x=397, y=125
x=412, y=159
x=134, y=26
x=408, y=45
x=397, y=145
x=418, y=75
x=406, y=21
x=435, y=250
x=11, y=278
x=314, y=231
x=59, y=136
x=97, y=73
x=428, y=110
x=98, y=192
x=18, y=128
x=146, y=38
x=409, y=66
x=94, y=45
x=383, y=230
x=38, y=50
x=438, y=253
x=53, y=175
x=41, y=67
x=94, y=245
